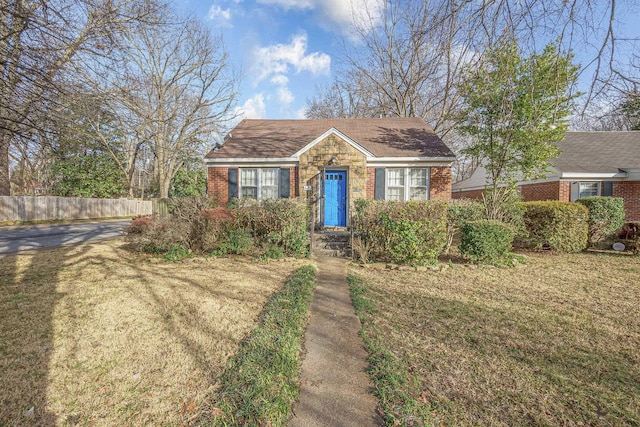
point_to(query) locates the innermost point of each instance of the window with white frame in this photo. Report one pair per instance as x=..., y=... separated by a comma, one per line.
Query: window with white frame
x=395, y=184
x=259, y=183
x=588, y=189
x=407, y=184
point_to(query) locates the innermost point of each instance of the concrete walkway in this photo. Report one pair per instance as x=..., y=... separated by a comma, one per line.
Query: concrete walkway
x=336, y=390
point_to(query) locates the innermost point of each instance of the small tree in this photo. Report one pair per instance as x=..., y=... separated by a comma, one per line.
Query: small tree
x=515, y=109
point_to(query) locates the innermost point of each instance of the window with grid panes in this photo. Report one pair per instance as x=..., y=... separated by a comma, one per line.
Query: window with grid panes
x=249, y=183
x=407, y=184
x=395, y=184
x=259, y=183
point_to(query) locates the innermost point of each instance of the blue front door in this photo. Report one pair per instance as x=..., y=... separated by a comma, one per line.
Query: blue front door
x=335, y=198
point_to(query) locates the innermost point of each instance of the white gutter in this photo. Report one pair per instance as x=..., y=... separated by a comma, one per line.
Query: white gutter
x=592, y=175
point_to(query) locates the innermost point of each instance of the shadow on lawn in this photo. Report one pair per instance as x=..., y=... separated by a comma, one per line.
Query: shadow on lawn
x=28, y=299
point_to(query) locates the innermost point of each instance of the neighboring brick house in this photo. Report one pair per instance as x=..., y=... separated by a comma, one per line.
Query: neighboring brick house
x=332, y=162
x=591, y=164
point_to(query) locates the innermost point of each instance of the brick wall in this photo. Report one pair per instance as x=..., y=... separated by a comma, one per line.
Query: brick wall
x=371, y=183
x=293, y=182
x=440, y=183
x=218, y=183
x=630, y=192
x=471, y=194
x=540, y=191
x=564, y=191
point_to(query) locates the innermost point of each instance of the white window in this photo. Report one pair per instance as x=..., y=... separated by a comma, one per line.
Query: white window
x=395, y=184
x=580, y=189
x=407, y=184
x=259, y=183
x=588, y=189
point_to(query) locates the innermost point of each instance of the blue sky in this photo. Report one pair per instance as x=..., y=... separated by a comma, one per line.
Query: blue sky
x=284, y=49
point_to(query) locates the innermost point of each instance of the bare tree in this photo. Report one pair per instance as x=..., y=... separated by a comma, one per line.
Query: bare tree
x=181, y=89
x=39, y=40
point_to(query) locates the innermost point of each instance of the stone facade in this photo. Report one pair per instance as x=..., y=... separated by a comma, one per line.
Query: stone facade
x=336, y=154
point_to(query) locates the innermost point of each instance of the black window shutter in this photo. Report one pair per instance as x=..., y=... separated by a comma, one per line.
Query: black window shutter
x=285, y=185
x=379, y=184
x=607, y=188
x=233, y=183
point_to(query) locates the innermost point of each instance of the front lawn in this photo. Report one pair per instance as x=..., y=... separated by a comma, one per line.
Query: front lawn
x=552, y=342
x=98, y=335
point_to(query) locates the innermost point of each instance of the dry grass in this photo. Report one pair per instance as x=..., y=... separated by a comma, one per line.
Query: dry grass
x=553, y=342
x=96, y=335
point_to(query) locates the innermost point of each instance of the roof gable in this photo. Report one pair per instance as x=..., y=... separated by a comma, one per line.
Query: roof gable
x=333, y=131
x=387, y=137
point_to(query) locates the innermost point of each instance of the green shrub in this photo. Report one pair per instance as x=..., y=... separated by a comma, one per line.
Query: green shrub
x=281, y=222
x=460, y=212
x=236, y=241
x=560, y=226
x=401, y=232
x=177, y=252
x=606, y=216
x=486, y=241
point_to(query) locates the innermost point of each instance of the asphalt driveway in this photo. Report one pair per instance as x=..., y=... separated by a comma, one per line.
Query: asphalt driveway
x=23, y=238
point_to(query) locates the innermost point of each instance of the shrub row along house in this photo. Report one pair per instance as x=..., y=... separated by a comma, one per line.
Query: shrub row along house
x=332, y=162
x=590, y=164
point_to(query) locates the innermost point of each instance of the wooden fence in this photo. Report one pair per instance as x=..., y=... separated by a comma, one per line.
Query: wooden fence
x=28, y=208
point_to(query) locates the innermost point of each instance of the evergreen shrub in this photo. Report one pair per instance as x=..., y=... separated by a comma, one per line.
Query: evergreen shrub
x=561, y=226
x=606, y=216
x=413, y=232
x=486, y=241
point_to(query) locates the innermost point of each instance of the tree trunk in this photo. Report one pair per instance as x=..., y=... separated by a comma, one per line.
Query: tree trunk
x=5, y=175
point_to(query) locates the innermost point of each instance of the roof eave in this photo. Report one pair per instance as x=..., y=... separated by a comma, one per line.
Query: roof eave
x=594, y=175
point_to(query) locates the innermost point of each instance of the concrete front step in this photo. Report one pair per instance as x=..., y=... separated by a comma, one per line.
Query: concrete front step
x=332, y=243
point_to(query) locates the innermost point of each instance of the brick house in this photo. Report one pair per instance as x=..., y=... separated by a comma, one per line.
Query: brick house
x=591, y=164
x=332, y=162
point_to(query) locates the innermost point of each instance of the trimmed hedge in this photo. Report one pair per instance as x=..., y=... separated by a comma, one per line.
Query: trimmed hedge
x=561, y=226
x=413, y=232
x=606, y=216
x=460, y=212
x=486, y=241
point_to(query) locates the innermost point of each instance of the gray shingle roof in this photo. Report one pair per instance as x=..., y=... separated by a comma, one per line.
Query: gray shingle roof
x=387, y=137
x=599, y=152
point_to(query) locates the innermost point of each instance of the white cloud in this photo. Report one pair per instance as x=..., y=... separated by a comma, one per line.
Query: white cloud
x=290, y=4
x=220, y=15
x=253, y=108
x=301, y=113
x=277, y=59
x=285, y=96
x=343, y=13
x=280, y=79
